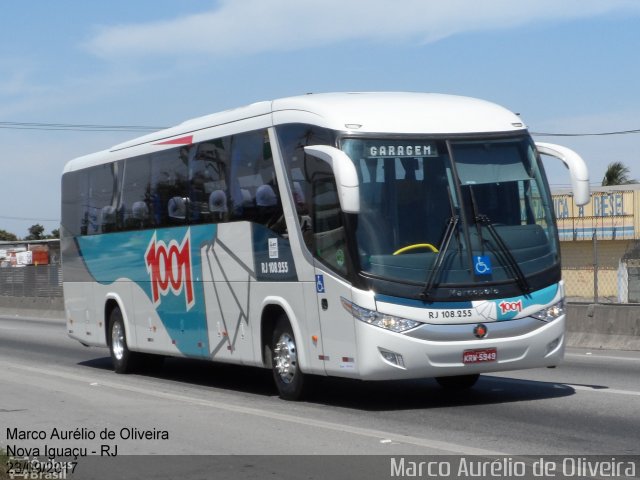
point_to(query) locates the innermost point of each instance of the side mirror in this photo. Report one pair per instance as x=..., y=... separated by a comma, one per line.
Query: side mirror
x=345, y=172
x=577, y=169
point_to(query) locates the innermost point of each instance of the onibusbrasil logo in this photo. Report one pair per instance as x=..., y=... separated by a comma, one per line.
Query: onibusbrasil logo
x=169, y=268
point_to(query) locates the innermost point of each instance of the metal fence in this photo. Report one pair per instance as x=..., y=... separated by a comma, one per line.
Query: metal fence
x=31, y=281
x=602, y=271
x=587, y=275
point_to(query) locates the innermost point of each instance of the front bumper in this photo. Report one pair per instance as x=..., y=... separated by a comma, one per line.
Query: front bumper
x=420, y=357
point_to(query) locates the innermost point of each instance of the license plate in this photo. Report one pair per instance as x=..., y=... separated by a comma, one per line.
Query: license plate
x=480, y=356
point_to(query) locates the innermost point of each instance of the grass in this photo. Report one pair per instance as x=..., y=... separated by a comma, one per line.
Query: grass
x=4, y=458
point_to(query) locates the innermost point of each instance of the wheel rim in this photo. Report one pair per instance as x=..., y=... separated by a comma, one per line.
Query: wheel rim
x=285, y=359
x=117, y=341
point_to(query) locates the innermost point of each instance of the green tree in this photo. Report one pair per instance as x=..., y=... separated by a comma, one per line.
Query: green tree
x=36, y=232
x=7, y=236
x=55, y=233
x=617, y=173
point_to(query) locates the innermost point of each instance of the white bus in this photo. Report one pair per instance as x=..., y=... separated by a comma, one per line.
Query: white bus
x=365, y=235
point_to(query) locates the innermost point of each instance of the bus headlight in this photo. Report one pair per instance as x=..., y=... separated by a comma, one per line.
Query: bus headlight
x=549, y=314
x=382, y=320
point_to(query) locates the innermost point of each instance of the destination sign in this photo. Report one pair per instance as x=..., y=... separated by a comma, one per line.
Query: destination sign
x=400, y=149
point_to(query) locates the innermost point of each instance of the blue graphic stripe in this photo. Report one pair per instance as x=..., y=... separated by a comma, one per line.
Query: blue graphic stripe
x=541, y=297
x=115, y=256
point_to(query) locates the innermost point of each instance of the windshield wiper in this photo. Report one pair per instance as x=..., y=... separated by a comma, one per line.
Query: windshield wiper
x=437, y=265
x=507, y=257
x=505, y=252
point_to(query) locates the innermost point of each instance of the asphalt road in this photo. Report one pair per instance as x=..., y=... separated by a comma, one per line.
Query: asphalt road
x=66, y=396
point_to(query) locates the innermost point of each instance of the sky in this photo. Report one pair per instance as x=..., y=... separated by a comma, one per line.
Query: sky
x=566, y=66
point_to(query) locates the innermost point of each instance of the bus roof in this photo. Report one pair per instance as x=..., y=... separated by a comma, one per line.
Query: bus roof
x=358, y=112
x=400, y=112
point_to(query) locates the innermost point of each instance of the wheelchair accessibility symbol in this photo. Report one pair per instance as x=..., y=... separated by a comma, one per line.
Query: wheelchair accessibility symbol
x=482, y=265
x=320, y=283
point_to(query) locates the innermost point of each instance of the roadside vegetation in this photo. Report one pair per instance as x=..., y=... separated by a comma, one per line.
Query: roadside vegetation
x=3, y=464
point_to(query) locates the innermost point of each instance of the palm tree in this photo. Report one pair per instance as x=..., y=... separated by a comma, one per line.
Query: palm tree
x=617, y=173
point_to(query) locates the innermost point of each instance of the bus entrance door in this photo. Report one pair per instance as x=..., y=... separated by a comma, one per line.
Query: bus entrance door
x=336, y=324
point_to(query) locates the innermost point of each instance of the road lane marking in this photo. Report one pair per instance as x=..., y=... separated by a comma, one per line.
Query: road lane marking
x=340, y=427
x=591, y=356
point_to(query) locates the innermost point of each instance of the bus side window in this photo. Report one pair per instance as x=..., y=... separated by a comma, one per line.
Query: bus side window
x=208, y=181
x=101, y=211
x=329, y=238
x=169, y=172
x=75, y=202
x=254, y=190
x=327, y=234
x=292, y=139
x=134, y=208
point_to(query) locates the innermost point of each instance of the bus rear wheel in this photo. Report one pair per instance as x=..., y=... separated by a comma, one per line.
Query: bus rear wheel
x=287, y=375
x=458, y=382
x=124, y=360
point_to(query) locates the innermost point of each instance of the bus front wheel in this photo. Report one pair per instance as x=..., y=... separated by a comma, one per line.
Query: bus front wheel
x=459, y=382
x=124, y=360
x=284, y=362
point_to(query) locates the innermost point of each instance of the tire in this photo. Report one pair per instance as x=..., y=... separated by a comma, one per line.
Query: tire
x=287, y=375
x=459, y=382
x=124, y=360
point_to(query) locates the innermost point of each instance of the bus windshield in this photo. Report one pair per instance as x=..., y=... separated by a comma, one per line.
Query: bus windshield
x=452, y=212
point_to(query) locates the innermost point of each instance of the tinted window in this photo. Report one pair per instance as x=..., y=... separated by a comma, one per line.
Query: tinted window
x=169, y=179
x=75, y=202
x=254, y=188
x=328, y=239
x=102, y=201
x=89, y=200
x=292, y=139
x=208, y=188
x=315, y=194
x=135, y=205
x=227, y=179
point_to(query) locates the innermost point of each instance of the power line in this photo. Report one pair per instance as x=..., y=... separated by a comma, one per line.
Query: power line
x=591, y=134
x=77, y=127
x=82, y=127
x=30, y=219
